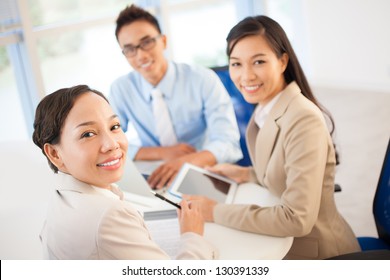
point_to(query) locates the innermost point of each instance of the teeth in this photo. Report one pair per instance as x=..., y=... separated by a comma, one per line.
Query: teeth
x=251, y=87
x=109, y=163
x=146, y=64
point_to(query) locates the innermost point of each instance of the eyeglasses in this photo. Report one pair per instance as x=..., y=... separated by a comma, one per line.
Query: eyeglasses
x=145, y=45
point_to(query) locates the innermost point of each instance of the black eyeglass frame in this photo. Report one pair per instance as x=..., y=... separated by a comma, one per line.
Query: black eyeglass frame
x=145, y=45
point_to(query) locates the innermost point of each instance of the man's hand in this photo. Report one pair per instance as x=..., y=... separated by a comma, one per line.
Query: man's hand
x=166, y=173
x=164, y=153
x=178, y=150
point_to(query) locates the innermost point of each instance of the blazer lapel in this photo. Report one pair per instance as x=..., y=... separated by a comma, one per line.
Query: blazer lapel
x=251, y=134
x=263, y=140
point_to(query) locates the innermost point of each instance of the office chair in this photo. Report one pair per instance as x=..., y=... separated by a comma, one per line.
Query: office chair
x=242, y=109
x=381, y=210
x=377, y=248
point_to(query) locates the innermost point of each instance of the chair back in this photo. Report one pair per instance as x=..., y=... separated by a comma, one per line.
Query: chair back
x=381, y=206
x=242, y=109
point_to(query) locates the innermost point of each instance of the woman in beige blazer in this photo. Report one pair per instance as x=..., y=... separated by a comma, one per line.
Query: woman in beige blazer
x=81, y=137
x=290, y=147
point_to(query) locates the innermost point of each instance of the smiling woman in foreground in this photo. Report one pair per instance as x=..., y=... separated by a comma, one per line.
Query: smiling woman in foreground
x=87, y=218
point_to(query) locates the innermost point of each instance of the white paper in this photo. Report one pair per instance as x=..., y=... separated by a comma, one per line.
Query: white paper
x=164, y=229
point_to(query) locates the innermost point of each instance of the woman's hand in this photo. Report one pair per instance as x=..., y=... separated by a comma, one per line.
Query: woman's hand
x=204, y=204
x=237, y=173
x=190, y=218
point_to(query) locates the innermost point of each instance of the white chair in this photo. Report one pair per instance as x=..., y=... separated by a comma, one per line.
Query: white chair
x=25, y=182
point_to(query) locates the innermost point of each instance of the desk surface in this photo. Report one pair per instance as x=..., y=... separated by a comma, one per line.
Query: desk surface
x=236, y=244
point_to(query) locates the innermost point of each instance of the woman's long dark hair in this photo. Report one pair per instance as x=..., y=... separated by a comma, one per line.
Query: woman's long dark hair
x=279, y=42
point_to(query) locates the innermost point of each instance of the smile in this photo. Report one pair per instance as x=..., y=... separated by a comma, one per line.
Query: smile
x=251, y=88
x=145, y=65
x=110, y=163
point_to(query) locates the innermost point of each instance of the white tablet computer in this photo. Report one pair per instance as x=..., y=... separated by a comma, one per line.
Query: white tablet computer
x=198, y=181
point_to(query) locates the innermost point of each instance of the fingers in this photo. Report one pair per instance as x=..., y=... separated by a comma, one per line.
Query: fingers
x=190, y=218
x=184, y=204
x=184, y=207
x=189, y=197
x=172, y=179
x=159, y=178
x=163, y=175
x=201, y=204
x=218, y=169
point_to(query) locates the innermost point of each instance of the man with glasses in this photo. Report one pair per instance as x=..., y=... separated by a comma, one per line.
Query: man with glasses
x=204, y=129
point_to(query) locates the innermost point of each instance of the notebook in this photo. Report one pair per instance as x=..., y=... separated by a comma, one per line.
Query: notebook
x=164, y=228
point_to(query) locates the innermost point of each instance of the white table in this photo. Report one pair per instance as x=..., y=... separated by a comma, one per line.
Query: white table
x=236, y=244
x=232, y=243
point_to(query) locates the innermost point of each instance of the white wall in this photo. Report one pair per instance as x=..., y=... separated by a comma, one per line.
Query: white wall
x=349, y=43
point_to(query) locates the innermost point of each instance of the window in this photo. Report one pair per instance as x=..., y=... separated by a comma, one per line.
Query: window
x=49, y=12
x=76, y=42
x=289, y=14
x=196, y=35
x=12, y=121
x=46, y=45
x=90, y=56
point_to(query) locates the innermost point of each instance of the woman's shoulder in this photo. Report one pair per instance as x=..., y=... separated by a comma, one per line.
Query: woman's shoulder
x=301, y=107
x=301, y=115
x=99, y=204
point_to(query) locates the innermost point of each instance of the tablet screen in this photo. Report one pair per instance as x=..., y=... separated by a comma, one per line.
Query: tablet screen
x=198, y=183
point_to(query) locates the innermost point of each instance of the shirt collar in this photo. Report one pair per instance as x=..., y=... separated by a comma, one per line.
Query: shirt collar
x=168, y=81
x=262, y=112
x=166, y=84
x=66, y=182
x=106, y=192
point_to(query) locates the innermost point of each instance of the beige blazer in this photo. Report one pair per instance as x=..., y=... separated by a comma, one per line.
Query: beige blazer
x=293, y=157
x=82, y=223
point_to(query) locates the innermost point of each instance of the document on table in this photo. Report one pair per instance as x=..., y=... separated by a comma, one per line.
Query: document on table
x=163, y=226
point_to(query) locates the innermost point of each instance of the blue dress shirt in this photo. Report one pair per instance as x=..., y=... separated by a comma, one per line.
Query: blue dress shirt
x=201, y=110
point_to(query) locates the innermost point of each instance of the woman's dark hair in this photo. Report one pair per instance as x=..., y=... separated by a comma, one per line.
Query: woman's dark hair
x=133, y=13
x=51, y=114
x=279, y=42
